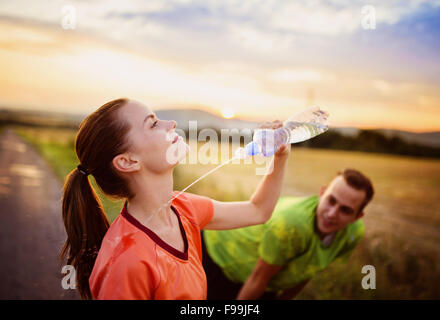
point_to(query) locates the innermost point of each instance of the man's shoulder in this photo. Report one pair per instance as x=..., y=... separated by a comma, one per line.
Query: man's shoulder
x=355, y=231
x=296, y=210
x=289, y=204
x=294, y=216
x=357, y=226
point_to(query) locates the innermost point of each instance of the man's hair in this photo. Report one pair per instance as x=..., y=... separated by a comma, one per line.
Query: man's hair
x=358, y=181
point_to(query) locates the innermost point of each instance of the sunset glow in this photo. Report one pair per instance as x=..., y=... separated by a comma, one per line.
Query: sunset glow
x=383, y=78
x=228, y=113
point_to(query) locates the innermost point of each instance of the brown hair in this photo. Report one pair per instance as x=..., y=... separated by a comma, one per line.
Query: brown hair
x=358, y=181
x=100, y=138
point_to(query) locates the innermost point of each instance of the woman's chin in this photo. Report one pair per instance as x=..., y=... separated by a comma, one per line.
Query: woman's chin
x=177, y=152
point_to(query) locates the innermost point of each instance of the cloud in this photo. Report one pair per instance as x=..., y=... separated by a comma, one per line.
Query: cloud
x=256, y=55
x=299, y=75
x=382, y=86
x=238, y=27
x=326, y=18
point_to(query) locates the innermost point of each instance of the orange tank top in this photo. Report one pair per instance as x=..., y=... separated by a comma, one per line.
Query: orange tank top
x=134, y=263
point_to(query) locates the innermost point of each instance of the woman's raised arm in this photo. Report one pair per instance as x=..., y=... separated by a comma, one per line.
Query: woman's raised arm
x=230, y=215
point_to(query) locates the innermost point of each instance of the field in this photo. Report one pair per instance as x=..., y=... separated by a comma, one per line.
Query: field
x=402, y=222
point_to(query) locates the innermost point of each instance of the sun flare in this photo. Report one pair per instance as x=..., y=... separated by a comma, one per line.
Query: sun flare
x=228, y=113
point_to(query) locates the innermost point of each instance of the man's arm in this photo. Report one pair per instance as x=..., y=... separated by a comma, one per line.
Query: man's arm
x=256, y=283
x=293, y=292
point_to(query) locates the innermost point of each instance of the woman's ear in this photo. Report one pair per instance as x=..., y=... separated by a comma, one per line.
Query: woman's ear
x=125, y=163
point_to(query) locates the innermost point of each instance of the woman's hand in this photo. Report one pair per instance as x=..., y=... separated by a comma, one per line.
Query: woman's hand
x=284, y=150
x=230, y=215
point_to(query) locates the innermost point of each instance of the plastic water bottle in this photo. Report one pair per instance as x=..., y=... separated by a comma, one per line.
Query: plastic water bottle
x=298, y=128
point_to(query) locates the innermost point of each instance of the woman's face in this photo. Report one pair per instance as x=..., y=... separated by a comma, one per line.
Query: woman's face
x=152, y=142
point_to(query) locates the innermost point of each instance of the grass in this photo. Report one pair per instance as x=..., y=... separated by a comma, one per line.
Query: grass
x=402, y=222
x=57, y=147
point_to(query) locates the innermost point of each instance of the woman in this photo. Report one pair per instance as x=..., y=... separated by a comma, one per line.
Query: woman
x=150, y=251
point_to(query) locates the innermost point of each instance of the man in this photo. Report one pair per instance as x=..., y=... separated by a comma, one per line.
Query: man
x=303, y=236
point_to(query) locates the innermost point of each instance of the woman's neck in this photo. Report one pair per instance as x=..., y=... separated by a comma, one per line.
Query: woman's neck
x=152, y=195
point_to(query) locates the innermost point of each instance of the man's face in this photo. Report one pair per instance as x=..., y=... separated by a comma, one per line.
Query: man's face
x=338, y=206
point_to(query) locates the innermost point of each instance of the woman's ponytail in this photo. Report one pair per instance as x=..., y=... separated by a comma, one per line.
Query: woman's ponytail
x=86, y=225
x=101, y=137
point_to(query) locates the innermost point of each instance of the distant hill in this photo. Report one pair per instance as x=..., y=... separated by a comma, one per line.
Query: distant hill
x=204, y=119
x=39, y=118
x=425, y=138
x=208, y=120
x=431, y=139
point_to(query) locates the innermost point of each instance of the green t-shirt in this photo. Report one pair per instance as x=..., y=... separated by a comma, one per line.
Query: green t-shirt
x=289, y=238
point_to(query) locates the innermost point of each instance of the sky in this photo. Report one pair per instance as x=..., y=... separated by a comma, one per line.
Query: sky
x=370, y=64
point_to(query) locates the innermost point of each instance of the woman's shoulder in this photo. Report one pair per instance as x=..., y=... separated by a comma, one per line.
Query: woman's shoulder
x=186, y=198
x=198, y=209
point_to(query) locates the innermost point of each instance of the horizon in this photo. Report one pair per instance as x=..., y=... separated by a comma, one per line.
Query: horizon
x=250, y=61
x=210, y=112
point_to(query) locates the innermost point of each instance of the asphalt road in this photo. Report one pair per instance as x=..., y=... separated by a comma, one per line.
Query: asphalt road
x=31, y=230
